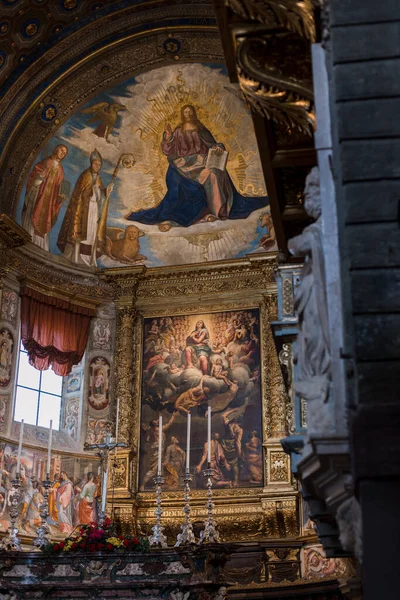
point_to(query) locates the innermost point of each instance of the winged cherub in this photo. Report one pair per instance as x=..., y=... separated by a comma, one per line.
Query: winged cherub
x=107, y=114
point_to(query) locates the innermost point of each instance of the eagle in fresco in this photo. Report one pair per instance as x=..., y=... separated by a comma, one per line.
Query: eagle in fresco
x=107, y=114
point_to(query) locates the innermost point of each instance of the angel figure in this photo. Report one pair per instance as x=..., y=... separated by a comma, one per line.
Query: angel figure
x=107, y=114
x=179, y=595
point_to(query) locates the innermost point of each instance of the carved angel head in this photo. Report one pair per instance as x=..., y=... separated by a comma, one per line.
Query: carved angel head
x=312, y=194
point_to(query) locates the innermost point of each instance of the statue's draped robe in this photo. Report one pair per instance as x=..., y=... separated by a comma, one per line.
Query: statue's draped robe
x=194, y=191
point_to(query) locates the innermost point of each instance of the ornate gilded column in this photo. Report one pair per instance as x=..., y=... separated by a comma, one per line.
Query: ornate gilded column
x=280, y=514
x=125, y=284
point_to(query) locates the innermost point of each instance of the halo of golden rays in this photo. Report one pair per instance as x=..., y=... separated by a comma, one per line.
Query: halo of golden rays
x=212, y=104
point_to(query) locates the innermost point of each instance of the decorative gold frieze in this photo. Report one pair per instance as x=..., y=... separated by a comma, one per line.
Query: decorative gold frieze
x=247, y=275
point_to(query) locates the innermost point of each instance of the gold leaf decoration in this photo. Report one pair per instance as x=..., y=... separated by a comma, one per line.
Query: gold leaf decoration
x=291, y=14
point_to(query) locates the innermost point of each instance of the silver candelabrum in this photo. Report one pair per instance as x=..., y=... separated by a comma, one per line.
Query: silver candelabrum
x=186, y=536
x=158, y=538
x=11, y=542
x=210, y=533
x=42, y=532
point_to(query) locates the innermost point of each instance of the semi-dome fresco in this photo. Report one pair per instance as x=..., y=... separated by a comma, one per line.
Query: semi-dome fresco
x=160, y=170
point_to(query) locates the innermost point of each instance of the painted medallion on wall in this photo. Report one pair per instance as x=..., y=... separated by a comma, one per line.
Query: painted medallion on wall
x=99, y=386
x=190, y=362
x=101, y=337
x=6, y=349
x=71, y=417
x=9, y=306
x=160, y=170
x=71, y=498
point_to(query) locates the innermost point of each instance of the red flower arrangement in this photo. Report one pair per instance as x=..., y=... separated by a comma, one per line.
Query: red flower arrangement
x=92, y=538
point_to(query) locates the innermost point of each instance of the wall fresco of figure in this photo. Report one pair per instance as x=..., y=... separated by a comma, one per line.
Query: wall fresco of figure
x=190, y=363
x=72, y=499
x=161, y=169
x=6, y=352
x=99, y=385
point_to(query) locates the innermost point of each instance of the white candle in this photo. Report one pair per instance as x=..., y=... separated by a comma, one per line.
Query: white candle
x=159, y=444
x=117, y=422
x=189, y=420
x=116, y=429
x=49, y=449
x=21, y=435
x=209, y=435
x=104, y=491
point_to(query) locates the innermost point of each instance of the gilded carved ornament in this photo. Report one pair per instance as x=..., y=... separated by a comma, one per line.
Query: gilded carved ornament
x=294, y=15
x=284, y=101
x=281, y=96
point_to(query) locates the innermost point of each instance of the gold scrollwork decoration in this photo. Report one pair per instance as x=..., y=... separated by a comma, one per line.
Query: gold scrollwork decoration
x=282, y=106
x=294, y=15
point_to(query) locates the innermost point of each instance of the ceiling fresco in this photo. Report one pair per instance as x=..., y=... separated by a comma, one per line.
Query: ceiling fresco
x=160, y=170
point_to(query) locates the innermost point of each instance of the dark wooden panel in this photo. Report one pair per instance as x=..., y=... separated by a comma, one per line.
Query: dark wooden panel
x=372, y=245
x=376, y=441
x=376, y=290
x=377, y=337
x=363, y=11
x=362, y=42
x=378, y=381
x=369, y=118
x=372, y=201
x=374, y=159
x=369, y=79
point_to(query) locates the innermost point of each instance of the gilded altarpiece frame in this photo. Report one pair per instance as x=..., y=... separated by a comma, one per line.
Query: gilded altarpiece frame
x=247, y=513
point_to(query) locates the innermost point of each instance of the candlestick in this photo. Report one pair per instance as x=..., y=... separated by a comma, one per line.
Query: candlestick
x=210, y=533
x=158, y=538
x=209, y=435
x=21, y=435
x=43, y=531
x=11, y=542
x=49, y=449
x=187, y=535
x=159, y=445
x=189, y=421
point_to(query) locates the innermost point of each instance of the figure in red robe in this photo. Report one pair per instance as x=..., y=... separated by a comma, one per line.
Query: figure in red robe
x=43, y=197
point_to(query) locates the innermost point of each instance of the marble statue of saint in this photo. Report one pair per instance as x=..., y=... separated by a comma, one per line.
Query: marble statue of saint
x=312, y=345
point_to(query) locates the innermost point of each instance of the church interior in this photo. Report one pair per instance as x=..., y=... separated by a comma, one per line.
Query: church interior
x=199, y=314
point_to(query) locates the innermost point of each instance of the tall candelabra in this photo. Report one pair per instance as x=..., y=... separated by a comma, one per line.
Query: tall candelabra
x=186, y=536
x=158, y=538
x=104, y=450
x=210, y=533
x=42, y=532
x=11, y=542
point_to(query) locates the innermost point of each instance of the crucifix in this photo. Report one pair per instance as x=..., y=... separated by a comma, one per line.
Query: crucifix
x=104, y=450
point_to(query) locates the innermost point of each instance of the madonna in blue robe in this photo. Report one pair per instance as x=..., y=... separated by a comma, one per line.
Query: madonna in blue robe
x=195, y=190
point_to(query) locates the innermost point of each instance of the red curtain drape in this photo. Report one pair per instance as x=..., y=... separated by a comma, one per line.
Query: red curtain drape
x=53, y=331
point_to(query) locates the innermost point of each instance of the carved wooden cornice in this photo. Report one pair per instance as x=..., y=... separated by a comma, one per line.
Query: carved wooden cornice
x=251, y=274
x=50, y=276
x=11, y=234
